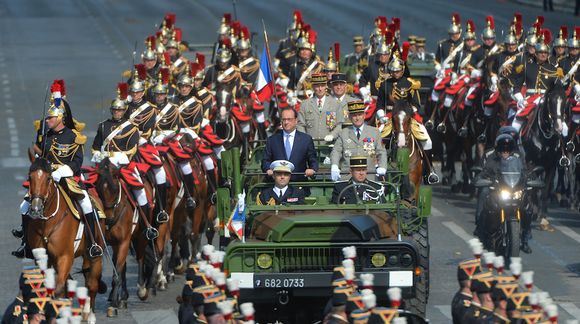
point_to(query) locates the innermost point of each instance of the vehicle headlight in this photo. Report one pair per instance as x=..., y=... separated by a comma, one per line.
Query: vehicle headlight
x=517, y=194
x=406, y=259
x=378, y=260
x=264, y=261
x=505, y=195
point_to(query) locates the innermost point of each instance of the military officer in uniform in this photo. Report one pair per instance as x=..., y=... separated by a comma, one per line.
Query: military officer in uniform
x=281, y=193
x=570, y=62
x=376, y=71
x=420, y=53
x=445, y=47
x=339, y=86
x=287, y=46
x=352, y=61
x=117, y=139
x=559, y=46
x=361, y=189
x=504, y=60
x=481, y=306
x=178, y=61
x=224, y=74
x=463, y=297
x=358, y=140
x=63, y=148
x=320, y=116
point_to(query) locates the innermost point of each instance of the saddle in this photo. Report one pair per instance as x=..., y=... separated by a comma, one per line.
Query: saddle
x=72, y=203
x=416, y=130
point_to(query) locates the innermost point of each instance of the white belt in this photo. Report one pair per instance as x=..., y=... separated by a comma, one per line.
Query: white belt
x=534, y=91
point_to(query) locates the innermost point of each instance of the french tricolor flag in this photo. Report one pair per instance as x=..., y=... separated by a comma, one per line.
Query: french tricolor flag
x=264, y=88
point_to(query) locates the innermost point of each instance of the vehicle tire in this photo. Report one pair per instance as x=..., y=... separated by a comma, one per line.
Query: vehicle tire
x=513, y=248
x=418, y=304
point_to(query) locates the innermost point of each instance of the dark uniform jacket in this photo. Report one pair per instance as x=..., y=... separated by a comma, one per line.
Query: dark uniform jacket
x=444, y=48
x=292, y=196
x=64, y=147
x=498, y=63
x=403, y=89
x=370, y=75
x=363, y=192
x=285, y=49
x=206, y=99
x=491, y=168
x=496, y=319
x=353, y=59
x=167, y=117
x=126, y=139
x=537, y=77
x=14, y=313
x=459, y=306
x=145, y=120
x=482, y=53
x=476, y=314
x=191, y=110
x=567, y=63
x=295, y=67
x=229, y=83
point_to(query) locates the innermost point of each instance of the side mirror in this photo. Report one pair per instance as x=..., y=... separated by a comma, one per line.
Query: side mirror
x=536, y=184
x=480, y=183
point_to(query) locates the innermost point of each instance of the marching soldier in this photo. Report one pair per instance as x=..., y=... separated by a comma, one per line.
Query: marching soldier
x=481, y=306
x=500, y=295
x=281, y=193
x=118, y=138
x=463, y=298
x=361, y=188
x=63, y=148
x=320, y=116
x=340, y=86
x=358, y=140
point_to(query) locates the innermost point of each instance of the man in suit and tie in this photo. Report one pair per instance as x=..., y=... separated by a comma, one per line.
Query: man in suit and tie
x=320, y=116
x=291, y=145
x=358, y=140
x=281, y=193
x=361, y=189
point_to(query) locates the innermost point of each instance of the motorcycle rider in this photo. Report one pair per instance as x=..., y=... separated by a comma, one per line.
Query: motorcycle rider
x=505, y=147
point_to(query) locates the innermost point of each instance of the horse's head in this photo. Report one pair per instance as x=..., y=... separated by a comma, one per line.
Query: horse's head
x=224, y=101
x=107, y=184
x=40, y=181
x=555, y=99
x=401, y=122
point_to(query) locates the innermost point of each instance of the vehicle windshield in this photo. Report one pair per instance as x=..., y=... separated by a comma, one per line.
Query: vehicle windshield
x=511, y=171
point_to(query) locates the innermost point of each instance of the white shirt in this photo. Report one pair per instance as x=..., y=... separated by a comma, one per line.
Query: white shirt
x=361, y=129
x=291, y=139
x=321, y=101
x=341, y=98
x=280, y=191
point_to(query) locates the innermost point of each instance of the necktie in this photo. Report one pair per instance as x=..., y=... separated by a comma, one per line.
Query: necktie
x=358, y=133
x=288, y=147
x=319, y=104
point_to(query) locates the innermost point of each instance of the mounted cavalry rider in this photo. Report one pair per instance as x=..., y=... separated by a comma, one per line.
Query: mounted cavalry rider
x=224, y=74
x=446, y=47
x=376, y=71
x=536, y=78
x=174, y=48
x=117, y=139
x=62, y=145
x=143, y=114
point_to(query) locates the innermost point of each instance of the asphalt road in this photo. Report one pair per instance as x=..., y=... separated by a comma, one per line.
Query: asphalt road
x=88, y=43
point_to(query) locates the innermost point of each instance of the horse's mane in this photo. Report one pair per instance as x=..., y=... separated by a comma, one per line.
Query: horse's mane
x=105, y=174
x=40, y=164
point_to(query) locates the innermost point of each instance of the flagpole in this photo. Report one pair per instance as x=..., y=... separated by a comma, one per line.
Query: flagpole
x=267, y=44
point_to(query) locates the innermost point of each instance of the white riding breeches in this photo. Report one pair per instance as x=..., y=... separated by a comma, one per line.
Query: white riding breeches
x=185, y=168
x=160, y=176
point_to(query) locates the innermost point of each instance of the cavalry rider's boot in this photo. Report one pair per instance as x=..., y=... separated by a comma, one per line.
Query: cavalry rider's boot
x=189, y=181
x=262, y=131
x=19, y=232
x=432, y=177
x=95, y=250
x=211, y=176
x=151, y=232
x=162, y=216
x=21, y=251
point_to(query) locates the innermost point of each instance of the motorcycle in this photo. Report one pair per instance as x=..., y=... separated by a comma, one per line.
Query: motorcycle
x=506, y=207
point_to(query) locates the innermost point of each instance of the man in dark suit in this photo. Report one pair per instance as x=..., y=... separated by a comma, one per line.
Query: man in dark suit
x=281, y=193
x=291, y=145
x=360, y=191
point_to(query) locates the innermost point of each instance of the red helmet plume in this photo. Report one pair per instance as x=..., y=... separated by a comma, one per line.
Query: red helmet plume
x=337, y=52
x=227, y=18
x=141, y=71
x=165, y=75
x=178, y=35
x=200, y=60
x=490, y=22
x=564, y=32
x=457, y=18
x=170, y=20
x=405, y=53
x=123, y=88
x=547, y=36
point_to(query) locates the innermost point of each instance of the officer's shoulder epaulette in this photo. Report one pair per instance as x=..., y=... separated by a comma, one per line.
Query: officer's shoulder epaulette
x=415, y=84
x=80, y=126
x=79, y=137
x=519, y=68
x=37, y=125
x=559, y=72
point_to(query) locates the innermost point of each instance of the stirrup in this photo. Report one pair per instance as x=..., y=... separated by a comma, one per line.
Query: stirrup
x=462, y=132
x=441, y=128
x=213, y=198
x=18, y=232
x=429, y=125
x=433, y=178
x=151, y=233
x=190, y=203
x=564, y=161
x=162, y=217
x=570, y=147
x=95, y=251
x=481, y=138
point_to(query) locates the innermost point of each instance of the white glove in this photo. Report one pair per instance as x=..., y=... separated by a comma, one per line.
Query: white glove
x=283, y=82
x=326, y=160
x=494, y=80
x=437, y=67
x=366, y=94
x=204, y=122
x=157, y=140
x=142, y=141
x=328, y=138
x=97, y=157
x=475, y=74
x=381, y=116
x=381, y=171
x=62, y=172
x=520, y=99
x=577, y=89
x=119, y=158
x=335, y=173
x=440, y=74
x=291, y=100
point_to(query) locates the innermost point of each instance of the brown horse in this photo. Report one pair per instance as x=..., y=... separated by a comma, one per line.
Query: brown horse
x=122, y=222
x=53, y=226
x=402, y=137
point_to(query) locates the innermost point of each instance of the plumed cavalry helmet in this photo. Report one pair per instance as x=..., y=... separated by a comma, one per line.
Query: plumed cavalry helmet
x=505, y=143
x=510, y=38
x=574, y=42
x=162, y=85
x=532, y=39
x=307, y=38
x=543, y=45
x=562, y=38
x=120, y=103
x=224, y=53
x=455, y=27
x=331, y=65
x=185, y=78
x=138, y=79
x=149, y=53
x=57, y=105
x=469, y=30
x=225, y=24
x=397, y=63
x=489, y=31
x=244, y=42
x=384, y=47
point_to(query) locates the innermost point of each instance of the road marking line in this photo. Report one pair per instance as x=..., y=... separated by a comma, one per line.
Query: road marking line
x=14, y=153
x=436, y=212
x=568, y=232
x=457, y=230
x=445, y=310
x=571, y=309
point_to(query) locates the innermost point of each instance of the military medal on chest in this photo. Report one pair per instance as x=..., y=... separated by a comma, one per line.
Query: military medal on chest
x=330, y=119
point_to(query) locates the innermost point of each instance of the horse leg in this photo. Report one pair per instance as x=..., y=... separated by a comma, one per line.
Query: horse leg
x=92, y=268
x=141, y=243
x=545, y=196
x=62, y=267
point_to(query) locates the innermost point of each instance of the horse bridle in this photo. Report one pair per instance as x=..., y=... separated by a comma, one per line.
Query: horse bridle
x=45, y=198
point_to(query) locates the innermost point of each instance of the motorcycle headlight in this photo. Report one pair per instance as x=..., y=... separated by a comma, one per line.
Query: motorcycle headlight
x=505, y=195
x=517, y=194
